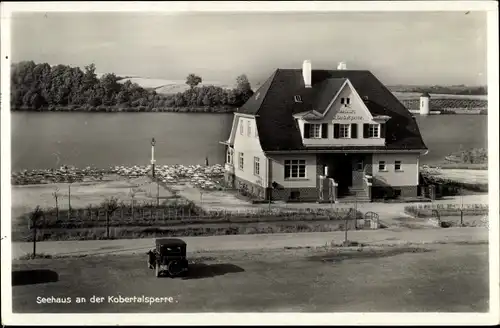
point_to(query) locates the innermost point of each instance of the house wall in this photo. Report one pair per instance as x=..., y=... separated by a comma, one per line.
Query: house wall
x=307, y=187
x=355, y=112
x=405, y=180
x=250, y=146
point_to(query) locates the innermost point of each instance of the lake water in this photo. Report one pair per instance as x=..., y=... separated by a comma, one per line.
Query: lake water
x=49, y=140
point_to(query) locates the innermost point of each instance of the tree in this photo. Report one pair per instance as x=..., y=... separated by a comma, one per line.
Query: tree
x=133, y=193
x=34, y=219
x=244, y=88
x=56, y=195
x=179, y=100
x=110, y=205
x=193, y=80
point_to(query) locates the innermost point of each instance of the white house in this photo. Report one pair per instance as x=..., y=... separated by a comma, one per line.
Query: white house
x=323, y=135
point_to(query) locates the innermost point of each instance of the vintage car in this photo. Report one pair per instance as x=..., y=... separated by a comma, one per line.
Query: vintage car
x=169, y=256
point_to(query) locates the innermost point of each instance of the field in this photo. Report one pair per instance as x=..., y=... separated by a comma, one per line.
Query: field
x=431, y=278
x=26, y=198
x=163, y=86
x=461, y=175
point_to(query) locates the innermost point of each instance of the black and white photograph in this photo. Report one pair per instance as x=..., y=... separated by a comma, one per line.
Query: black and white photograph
x=251, y=161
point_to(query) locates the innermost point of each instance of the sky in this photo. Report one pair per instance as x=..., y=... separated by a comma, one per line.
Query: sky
x=446, y=48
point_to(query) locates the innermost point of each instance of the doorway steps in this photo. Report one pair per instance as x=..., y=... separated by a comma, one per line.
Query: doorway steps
x=359, y=195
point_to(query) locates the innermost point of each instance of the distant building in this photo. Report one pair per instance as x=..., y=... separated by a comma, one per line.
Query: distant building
x=324, y=135
x=424, y=104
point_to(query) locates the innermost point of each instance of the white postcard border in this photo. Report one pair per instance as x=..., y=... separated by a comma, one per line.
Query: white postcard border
x=249, y=318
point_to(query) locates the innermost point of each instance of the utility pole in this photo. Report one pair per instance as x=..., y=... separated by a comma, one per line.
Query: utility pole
x=461, y=208
x=356, y=210
x=69, y=198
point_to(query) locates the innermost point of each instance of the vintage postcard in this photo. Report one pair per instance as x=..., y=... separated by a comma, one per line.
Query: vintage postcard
x=330, y=163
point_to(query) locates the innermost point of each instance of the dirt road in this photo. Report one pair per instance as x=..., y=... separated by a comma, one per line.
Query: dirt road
x=391, y=236
x=433, y=278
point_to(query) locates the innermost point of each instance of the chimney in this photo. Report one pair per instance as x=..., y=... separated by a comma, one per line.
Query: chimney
x=306, y=73
x=342, y=66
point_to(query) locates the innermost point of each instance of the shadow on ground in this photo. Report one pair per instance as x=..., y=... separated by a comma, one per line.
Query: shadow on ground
x=360, y=253
x=202, y=270
x=31, y=277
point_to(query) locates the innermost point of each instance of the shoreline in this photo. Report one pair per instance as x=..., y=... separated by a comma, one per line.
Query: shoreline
x=198, y=110
x=140, y=109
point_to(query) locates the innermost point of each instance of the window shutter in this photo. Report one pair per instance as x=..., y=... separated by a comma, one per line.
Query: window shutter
x=354, y=130
x=307, y=130
x=336, y=130
x=382, y=130
x=366, y=127
x=324, y=131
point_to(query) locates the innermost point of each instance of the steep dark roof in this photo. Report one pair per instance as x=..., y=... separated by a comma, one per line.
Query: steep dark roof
x=276, y=106
x=325, y=91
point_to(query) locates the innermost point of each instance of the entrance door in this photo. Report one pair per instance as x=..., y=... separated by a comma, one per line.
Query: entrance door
x=343, y=173
x=358, y=174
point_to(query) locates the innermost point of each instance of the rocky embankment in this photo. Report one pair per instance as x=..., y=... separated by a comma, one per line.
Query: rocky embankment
x=206, y=177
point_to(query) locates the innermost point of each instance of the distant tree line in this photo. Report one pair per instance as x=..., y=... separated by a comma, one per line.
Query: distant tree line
x=40, y=87
x=451, y=90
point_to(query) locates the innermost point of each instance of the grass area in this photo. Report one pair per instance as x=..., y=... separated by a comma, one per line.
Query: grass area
x=460, y=166
x=175, y=219
x=134, y=232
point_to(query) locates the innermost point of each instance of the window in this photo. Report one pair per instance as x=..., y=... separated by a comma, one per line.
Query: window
x=241, y=127
x=256, y=166
x=373, y=131
x=240, y=160
x=315, y=131
x=381, y=166
x=249, y=128
x=230, y=153
x=295, y=168
x=298, y=99
x=345, y=101
x=344, y=130
x=397, y=166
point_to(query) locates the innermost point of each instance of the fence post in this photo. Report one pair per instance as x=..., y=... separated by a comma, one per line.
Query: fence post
x=107, y=225
x=34, y=239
